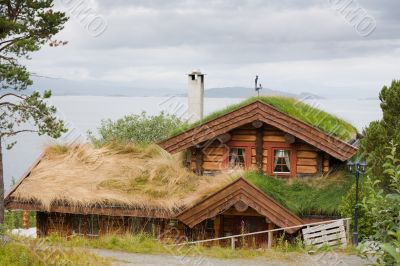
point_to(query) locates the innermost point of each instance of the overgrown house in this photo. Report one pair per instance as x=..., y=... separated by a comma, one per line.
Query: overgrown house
x=192, y=187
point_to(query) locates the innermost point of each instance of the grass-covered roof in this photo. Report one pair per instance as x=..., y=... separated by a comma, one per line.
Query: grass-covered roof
x=148, y=178
x=320, y=196
x=313, y=116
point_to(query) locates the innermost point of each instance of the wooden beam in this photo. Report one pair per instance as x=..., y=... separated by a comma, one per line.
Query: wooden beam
x=25, y=219
x=41, y=224
x=320, y=163
x=259, y=148
x=270, y=234
x=199, y=161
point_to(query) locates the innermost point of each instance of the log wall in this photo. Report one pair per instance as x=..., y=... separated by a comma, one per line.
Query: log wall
x=309, y=161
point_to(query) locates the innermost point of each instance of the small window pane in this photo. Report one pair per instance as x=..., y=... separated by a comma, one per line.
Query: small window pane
x=237, y=157
x=282, y=161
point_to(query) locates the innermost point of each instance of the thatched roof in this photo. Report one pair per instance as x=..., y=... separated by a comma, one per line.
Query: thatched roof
x=144, y=178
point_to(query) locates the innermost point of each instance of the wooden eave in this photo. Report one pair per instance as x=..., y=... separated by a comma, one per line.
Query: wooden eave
x=240, y=190
x=267, y=114
x=107, y=209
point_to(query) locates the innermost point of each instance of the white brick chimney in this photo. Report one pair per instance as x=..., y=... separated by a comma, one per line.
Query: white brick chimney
x=195, y=95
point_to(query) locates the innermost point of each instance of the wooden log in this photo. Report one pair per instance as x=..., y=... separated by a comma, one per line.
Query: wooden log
x=306, y=169
x=243, y=132
x=215, y=152
x=217, y=223
x=250, y=138
x=319, y=163
x=257, y=124
x=212, y=158
x=259, y=147
x=199, y=161
x=306, y=154
x=270, y=234
x=306, y=162
x=224, y=138
x=253, y=152
x=274, y=133
x=213, y=166
x=289, y=139
x=25, y=219
x=274, y=138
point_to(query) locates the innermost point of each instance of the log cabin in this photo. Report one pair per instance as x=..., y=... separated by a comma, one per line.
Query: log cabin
x=90, y=192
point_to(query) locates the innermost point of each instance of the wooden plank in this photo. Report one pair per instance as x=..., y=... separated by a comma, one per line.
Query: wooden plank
x=306, y=162
x=331, y=234
x=322, y=227
x=306, y=154
x=306, y=169
x=325, y=238
x=324, y=232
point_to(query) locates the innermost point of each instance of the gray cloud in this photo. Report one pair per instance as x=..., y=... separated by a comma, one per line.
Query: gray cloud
x=157, y=42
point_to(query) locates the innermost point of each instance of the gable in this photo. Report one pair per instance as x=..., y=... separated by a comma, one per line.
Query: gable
x=259, y=111
x=240, y=191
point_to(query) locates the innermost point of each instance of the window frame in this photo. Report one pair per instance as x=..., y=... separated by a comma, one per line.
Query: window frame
x=274, y=158
x=272, y=147
x=247, y=146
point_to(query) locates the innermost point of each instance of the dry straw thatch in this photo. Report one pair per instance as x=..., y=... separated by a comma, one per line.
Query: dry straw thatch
x=146, y=178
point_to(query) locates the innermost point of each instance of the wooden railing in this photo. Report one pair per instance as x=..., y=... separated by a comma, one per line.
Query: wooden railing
x=269, y=232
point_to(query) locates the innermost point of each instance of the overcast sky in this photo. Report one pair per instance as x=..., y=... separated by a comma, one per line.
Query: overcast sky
x=294, y=46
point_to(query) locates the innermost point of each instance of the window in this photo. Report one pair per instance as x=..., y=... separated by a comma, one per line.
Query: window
x=237, y=157
x=282, y=161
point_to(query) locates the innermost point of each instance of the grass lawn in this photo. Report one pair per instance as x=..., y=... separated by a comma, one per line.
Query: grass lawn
x=35, y=252
x=295, y=108
x=146, y=245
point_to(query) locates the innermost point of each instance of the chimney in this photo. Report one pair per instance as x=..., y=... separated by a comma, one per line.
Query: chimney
x=195, y=95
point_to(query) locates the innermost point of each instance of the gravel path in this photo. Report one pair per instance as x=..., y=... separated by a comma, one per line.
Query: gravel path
x=331, y=259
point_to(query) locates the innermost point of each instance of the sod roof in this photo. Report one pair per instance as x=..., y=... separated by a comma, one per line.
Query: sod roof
x=151, y=179
x=306, y=113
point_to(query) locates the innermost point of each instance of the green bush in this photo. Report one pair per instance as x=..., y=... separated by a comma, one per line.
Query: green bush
x=384, y=208
x=140, y=129
x=347, y=206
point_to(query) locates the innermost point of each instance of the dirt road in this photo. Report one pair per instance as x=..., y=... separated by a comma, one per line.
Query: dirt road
x=331, y=259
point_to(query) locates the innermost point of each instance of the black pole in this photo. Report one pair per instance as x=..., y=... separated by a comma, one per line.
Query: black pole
x=355, y=233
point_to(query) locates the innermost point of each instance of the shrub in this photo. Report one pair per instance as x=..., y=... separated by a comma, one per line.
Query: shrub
x=140, y=129
x=346, y=209
x=384, y=208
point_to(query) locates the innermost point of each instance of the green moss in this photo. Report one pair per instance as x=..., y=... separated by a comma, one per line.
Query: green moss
x=295, y=108
x=301, y=197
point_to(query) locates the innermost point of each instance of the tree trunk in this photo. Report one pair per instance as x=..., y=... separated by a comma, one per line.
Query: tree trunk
x=1, y=185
